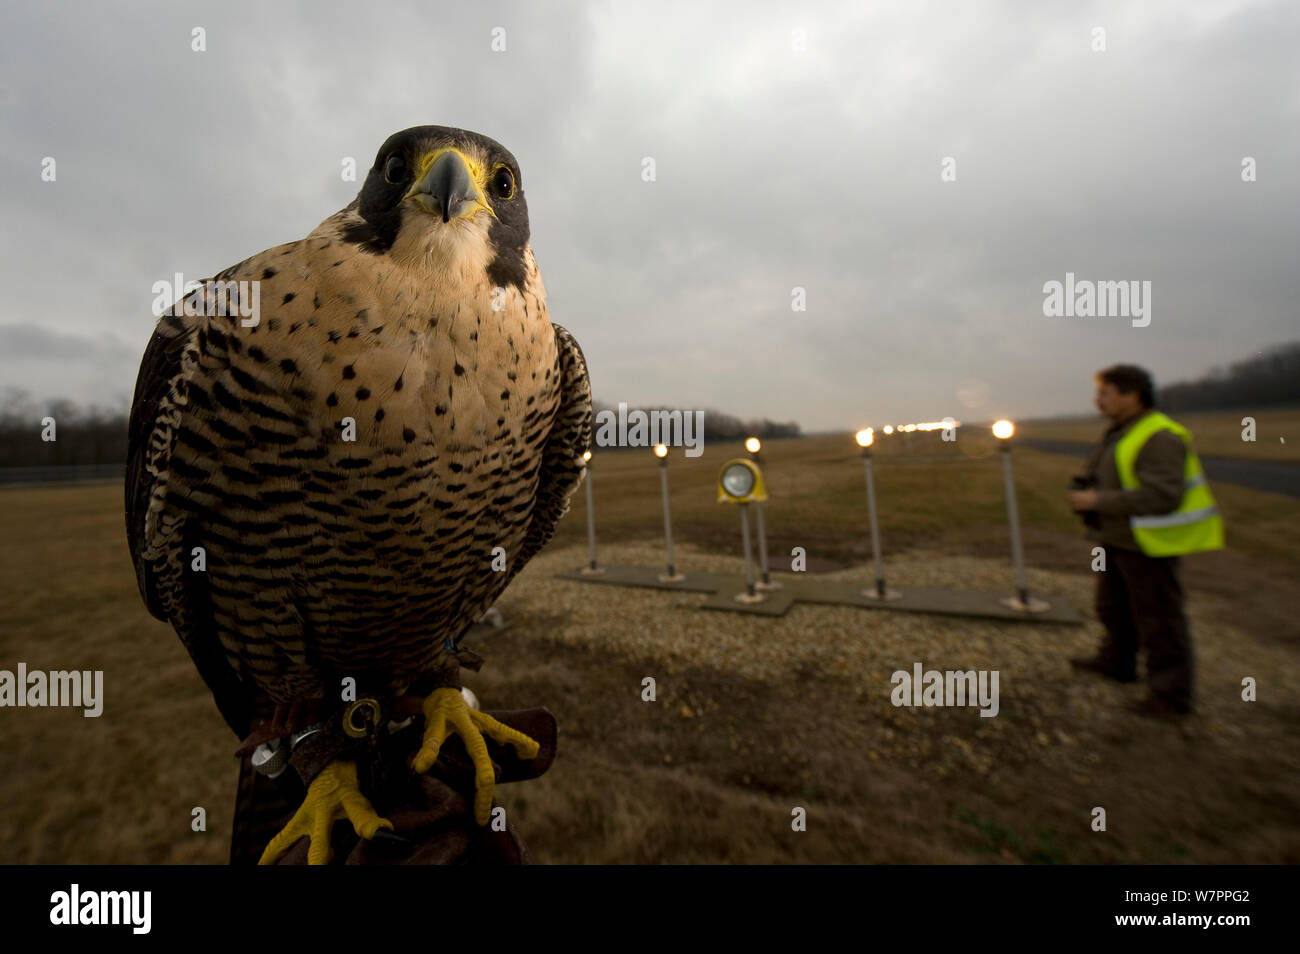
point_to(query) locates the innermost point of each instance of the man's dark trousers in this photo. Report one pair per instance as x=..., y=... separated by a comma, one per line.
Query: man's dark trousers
x=1140, y=602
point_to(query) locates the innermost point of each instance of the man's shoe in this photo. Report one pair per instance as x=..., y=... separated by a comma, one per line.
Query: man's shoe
x=1155, y=706
x=1102, y=667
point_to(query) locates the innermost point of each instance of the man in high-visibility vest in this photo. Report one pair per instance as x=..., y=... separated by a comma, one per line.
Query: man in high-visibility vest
x=1149, y=505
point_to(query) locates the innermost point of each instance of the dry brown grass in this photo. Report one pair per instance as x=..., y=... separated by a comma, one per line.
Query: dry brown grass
x=711, y=770
x=649, y=784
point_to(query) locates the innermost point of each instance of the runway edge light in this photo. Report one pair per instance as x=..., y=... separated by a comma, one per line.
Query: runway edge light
x=740, y=481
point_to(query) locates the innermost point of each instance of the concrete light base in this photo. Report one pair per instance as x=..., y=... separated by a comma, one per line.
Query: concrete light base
x=800, y=588
x=1033, y=606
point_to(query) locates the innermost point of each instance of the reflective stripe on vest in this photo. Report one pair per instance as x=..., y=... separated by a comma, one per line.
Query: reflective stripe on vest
x=1195, y=525
x=1174, y=519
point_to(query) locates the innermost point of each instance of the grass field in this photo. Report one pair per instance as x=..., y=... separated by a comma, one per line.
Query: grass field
x=755, y=716
x=1216, y=433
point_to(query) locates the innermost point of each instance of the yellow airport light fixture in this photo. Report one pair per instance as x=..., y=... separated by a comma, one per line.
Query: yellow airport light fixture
x=1022, y=601
x=865, y=438
x=753, y=445
x=592, y=568
x=889, y=429
x=741, y=482
x=672, y=576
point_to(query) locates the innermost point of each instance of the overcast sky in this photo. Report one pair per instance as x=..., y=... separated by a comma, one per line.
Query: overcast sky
x=775, y=167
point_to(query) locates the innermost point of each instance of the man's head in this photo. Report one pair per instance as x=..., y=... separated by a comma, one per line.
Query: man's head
x=1124, y=390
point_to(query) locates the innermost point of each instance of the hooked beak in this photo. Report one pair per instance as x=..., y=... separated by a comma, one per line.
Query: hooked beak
x=448, y=188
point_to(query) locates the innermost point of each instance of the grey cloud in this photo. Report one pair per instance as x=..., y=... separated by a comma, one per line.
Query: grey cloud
x=775, y=168
x=25, y=342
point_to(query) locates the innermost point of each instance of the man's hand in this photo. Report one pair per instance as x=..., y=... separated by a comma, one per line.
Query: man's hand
x=1082, y=500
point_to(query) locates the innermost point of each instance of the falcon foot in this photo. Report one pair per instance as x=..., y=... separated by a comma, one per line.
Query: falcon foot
x=332, y=796
x=445, y=711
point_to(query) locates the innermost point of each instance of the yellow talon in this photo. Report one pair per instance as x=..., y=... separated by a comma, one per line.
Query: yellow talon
x=332, y=796
x=446, y=707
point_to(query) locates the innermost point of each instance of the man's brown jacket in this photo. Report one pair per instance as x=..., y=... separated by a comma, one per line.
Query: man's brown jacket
x=1159, y=469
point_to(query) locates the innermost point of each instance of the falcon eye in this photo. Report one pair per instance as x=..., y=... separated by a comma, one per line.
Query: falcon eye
x=395, y=169
x=503, y=184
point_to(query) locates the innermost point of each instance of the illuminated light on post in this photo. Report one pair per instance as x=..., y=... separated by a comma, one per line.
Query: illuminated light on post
x=865, y=438
x=754, y=445
x=592, y=569
x=1022, y=601
x=741, y=482
x=672, y=576
x=889, y=429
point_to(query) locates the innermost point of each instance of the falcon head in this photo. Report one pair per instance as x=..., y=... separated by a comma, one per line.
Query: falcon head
x=441, y=199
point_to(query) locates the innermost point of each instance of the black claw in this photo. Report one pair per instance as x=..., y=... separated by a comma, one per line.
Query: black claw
x=390, y=839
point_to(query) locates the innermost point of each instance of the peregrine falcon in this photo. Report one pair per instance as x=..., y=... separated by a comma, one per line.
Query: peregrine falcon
x=317, y=493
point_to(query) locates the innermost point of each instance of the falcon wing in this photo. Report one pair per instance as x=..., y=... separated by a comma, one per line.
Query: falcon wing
x=180, y=598
x=562, y=464
x=159, y=369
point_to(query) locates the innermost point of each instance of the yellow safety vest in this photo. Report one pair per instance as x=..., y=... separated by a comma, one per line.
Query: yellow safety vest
x=1195, y=525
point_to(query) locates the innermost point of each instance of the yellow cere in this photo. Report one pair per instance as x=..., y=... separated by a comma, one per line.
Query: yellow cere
x=477, y=174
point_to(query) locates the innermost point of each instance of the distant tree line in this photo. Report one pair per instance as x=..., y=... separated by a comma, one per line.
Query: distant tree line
x=97, y=435
x=718, y=427
x=87, y=435
x=82, y=435
x=1270, y=379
